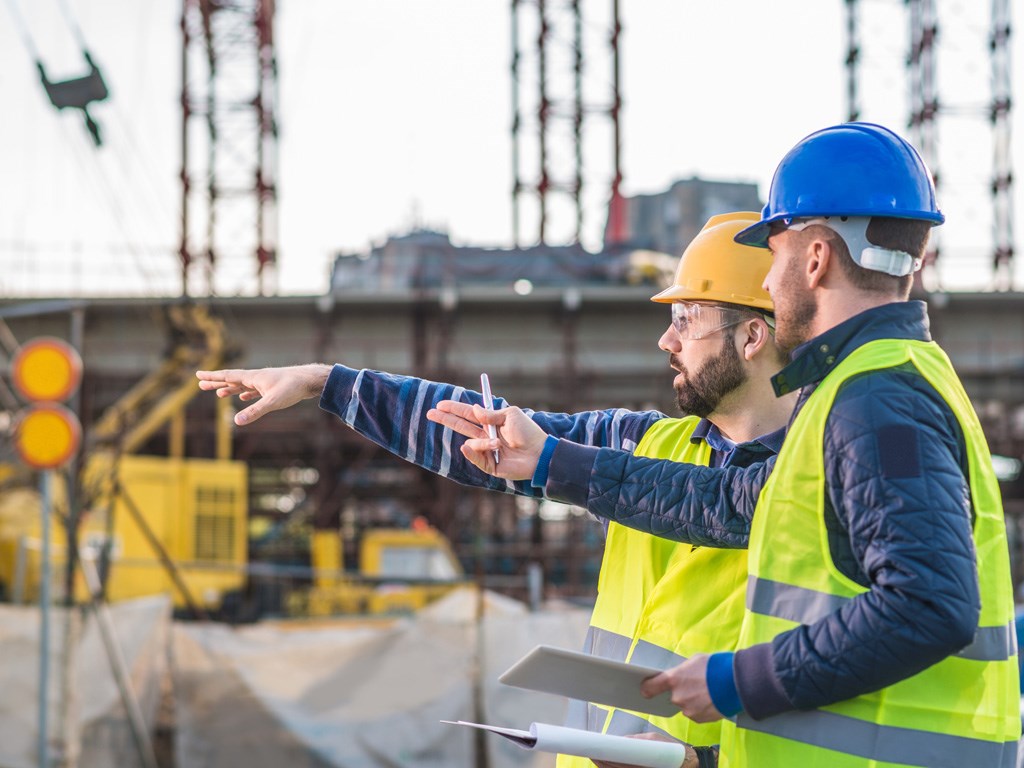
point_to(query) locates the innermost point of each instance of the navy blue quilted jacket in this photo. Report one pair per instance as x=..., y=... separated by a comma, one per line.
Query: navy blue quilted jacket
x=898, y=512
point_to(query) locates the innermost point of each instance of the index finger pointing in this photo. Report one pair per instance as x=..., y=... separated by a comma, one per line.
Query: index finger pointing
x=234, y=376
x=210, y=375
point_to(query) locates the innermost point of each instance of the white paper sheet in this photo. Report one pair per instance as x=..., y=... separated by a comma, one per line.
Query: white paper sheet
x=596, y=746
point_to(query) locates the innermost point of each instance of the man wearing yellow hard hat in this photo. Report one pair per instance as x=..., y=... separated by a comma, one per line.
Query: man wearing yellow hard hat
x=658, y=601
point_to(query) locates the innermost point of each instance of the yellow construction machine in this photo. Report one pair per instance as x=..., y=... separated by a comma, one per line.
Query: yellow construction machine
x=153, y=523
x=400, y=571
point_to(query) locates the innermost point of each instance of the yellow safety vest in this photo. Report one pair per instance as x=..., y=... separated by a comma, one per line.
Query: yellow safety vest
x=962, y=711
x=659, y=602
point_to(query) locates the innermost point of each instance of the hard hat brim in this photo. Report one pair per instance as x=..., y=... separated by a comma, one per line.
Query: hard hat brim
x=667, y=296
x=756, y=235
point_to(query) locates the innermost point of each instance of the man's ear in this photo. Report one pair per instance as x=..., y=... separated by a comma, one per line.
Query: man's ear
x=751, y=337
x=820, y=257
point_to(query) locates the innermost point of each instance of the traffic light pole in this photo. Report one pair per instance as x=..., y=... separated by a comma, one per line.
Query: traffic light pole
x=45, y=485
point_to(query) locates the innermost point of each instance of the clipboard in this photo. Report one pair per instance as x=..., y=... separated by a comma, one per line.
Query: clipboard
x=587, y=678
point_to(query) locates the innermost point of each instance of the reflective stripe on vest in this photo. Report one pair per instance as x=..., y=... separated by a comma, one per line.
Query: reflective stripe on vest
x=607, y=644
x=650, y=655
x=576, y=715
x=806, y=606
x=961, y=711
x=888, y=744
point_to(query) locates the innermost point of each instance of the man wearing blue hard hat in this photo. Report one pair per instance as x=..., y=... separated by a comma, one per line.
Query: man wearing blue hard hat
x=879, y=622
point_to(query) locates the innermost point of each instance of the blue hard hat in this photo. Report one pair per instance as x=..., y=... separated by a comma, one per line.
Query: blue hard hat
x=852, y=169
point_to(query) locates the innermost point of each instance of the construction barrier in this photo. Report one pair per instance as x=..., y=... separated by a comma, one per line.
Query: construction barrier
x=364, y=693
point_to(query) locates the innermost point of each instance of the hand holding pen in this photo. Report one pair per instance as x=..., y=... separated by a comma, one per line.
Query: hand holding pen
x=485, y=388
x=522, y=440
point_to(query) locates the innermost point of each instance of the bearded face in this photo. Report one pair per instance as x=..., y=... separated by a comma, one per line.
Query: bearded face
x=704, y=384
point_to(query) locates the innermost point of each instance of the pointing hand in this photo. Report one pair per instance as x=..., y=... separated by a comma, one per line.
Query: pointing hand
x=273, y=389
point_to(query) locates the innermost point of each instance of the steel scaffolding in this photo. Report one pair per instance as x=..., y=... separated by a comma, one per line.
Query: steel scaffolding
x=852, y=60
x=1002, y=167
x=927, y=107
x=552, y=85
x=228, y=146
x=924, y=98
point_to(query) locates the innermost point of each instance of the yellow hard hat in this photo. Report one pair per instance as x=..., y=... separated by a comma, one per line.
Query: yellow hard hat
x=715, y=268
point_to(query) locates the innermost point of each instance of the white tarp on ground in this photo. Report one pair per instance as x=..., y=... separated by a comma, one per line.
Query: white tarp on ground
x=142, y=629
x=363, y=694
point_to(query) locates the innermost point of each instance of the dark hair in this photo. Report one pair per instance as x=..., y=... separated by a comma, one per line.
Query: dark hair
x=908, y=235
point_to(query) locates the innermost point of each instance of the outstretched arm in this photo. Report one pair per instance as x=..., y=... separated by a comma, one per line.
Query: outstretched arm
x=385, y=408
x=388, y=409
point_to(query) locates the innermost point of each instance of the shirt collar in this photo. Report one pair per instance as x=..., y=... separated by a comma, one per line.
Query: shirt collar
x=772, y=441
x=814, y=359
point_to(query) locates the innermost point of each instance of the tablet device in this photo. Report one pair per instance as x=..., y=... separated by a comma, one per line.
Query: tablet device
x=588, y=678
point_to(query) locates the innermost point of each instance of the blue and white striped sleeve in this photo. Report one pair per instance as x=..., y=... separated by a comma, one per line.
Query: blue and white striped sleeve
x=390, y=410
x=617, y=428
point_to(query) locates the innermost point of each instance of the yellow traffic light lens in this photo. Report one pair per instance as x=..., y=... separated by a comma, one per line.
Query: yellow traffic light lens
x=48, y=436
x=47, y=369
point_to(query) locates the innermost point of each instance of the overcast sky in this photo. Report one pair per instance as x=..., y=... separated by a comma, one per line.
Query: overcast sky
x=397, y=113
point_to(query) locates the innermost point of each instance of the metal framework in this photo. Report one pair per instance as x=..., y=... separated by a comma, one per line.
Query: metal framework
x=924, y=97
x=926, y=109
x=852, y=60
x=228, y=146
x=550, y=112
x=1002, y=168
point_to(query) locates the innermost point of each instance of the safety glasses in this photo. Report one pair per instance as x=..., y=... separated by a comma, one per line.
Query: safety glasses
x=697, y=321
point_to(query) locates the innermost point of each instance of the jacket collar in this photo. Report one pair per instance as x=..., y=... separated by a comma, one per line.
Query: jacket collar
x=814, y=359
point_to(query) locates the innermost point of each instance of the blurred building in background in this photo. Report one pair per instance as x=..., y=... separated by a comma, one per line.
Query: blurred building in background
x=667, y=221
x=427, y=259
